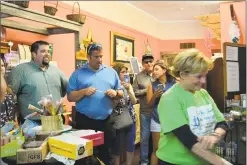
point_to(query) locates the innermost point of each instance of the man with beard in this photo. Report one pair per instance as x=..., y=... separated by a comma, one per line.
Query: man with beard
x=32, y=80
x=94, y=87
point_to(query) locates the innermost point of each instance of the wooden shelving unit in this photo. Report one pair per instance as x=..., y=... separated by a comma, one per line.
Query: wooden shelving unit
x=53, y=24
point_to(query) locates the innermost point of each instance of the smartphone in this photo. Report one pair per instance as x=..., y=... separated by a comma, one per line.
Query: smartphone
x=160, y=86
x=126, y=78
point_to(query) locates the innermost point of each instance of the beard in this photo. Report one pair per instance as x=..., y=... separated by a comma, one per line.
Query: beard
x=45, y=61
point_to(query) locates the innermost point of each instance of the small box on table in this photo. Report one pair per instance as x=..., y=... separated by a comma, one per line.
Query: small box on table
x=70, y=146
x=32, y=155
x=96, y=137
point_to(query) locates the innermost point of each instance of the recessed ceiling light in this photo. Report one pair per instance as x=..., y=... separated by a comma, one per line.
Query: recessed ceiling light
x=181, y=8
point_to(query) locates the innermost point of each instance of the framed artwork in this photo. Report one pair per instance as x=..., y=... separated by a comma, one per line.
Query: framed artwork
x=168, y=56
x=122, y=48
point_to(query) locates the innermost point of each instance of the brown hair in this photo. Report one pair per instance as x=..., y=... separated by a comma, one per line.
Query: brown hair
x=118, y=66
x=164, y=65
x=191, y=61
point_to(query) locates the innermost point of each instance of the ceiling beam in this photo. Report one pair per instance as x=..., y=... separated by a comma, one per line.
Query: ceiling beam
x=20, y=26
x=58, y=30
x=29, y=14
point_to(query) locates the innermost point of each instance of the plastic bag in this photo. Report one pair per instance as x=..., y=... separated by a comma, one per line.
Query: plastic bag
x=7, y=127
x=27, y=128
x=234, y=32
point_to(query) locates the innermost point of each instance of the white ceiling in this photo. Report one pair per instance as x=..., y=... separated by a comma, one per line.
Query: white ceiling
x=175, y=11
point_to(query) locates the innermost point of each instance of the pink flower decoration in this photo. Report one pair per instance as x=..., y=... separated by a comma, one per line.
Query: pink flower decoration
x=208, y=40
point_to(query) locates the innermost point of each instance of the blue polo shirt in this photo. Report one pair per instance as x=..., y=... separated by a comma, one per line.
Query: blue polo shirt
x=97, y=106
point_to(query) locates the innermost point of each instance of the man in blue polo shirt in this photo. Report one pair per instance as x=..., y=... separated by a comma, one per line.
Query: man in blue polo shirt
x=93, y=87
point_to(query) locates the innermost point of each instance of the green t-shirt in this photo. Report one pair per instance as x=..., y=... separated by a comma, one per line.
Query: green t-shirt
x=178, y=107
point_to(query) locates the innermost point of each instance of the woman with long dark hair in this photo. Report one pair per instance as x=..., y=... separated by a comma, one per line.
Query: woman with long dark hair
x=162, y=82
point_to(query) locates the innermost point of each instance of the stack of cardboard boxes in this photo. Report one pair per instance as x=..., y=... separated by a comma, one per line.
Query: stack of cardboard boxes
x=73, y=145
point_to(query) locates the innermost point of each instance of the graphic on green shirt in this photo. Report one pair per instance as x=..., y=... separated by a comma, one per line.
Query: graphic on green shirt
x=178, y=107
x=202, y=120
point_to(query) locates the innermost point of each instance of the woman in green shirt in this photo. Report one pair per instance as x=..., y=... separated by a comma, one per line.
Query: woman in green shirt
x=191, y=123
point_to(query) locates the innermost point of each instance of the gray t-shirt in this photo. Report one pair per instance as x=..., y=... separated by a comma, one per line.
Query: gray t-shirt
x=141, y=82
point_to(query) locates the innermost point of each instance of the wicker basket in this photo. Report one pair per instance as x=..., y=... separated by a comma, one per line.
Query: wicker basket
x=80, y=18
x=50, y=10
x=23, y=4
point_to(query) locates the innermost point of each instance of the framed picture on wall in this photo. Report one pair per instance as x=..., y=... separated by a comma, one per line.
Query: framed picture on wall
x=122, y=48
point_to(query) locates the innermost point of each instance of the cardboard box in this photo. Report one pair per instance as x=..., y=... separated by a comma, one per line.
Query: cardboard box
x=70, y=146
x=32, y=155
x=96, y=137
x=11, y=148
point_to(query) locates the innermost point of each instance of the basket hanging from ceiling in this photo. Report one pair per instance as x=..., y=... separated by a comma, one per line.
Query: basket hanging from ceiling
x=80, y=18
x=50, y=10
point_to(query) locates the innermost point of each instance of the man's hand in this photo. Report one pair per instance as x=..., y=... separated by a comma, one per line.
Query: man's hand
x=111, y=93
x=208, y=142
x=89, y=91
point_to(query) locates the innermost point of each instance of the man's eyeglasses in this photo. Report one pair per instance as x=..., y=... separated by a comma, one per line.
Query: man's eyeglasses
x=148, y=61
x=93, y=46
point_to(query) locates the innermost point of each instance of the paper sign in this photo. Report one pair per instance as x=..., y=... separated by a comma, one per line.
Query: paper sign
x=232, y=73
x=231, y=53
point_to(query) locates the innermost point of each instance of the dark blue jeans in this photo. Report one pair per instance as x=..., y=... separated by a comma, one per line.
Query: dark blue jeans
x=145, y=134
